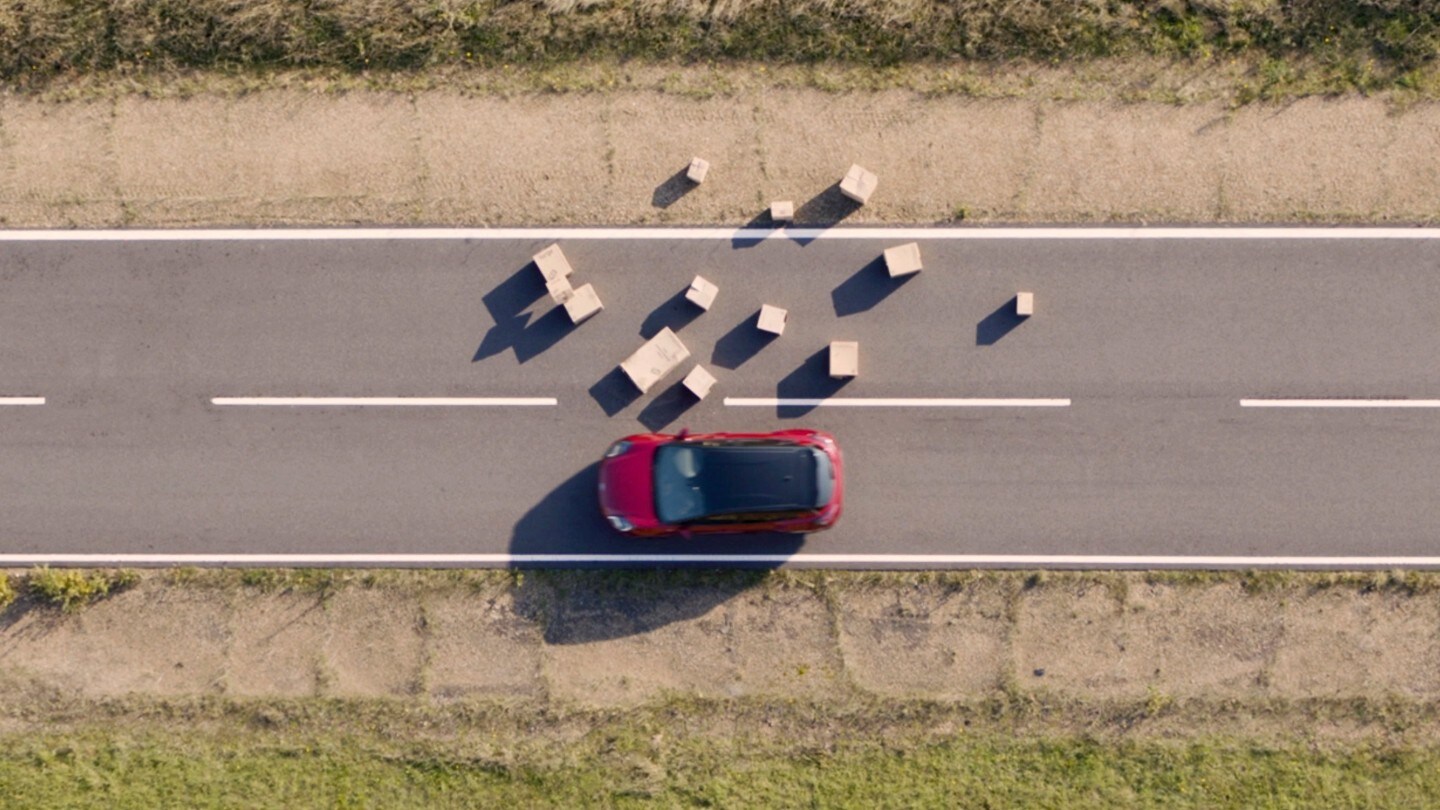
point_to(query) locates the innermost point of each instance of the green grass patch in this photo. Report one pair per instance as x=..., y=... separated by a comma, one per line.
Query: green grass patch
x=7, y=591
x=618, y=763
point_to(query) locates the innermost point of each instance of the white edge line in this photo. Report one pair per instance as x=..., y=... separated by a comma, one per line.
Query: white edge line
x=383, y=401
x=22, y=400
x=879, y=560
x=1340, y=403
x=745, y=234
x=859, y=402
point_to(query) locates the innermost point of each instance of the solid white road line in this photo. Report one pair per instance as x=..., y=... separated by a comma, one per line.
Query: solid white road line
x=859, y=402
x=872, y=560
x=22, y=400
x=1340, y=403
x=979, y=233
x=355, y=402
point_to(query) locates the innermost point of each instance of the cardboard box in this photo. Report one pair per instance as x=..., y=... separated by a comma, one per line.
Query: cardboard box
x=699, y=167
x=702, y=293
x=772, y=319
x=858, y=184
x=560, y=290
x=552, y=264
x=844, y=359
x=903, y=260
x=653, y=360
x=583, y=304
x=1025, y=304
x=699, y=381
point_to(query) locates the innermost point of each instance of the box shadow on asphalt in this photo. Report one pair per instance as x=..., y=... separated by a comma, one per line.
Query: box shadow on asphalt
x=811, y=380
x=671, y=404
x=740, y=344
x=580, y=609
x=676, y=313
x=614, y=392
x=998, y=324
x=869, y=286
x=508, y=305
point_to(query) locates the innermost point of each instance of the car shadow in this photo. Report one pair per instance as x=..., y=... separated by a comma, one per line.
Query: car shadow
x=671, y=404
x=577, y=607
x=811, y=380
x=741, y=343
x=675, y=187
x=567, y=518
x=614, y=392
x=998, y=324
x=509, y=307
x=869, y=286
x=676, y=313
x=581, y=607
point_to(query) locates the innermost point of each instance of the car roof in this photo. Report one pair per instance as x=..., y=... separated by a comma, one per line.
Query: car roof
x=757, y=476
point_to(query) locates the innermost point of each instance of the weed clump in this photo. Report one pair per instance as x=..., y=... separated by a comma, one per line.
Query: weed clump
x=71, y=590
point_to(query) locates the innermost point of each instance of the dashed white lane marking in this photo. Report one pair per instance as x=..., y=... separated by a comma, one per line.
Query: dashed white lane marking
x=1340, y=403
x=859, y=402
x=868, y=560
x=980, y=233
x=361, y=402
x=22, y=400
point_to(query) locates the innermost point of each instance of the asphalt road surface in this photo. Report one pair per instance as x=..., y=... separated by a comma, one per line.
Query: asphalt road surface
x=1153, y=342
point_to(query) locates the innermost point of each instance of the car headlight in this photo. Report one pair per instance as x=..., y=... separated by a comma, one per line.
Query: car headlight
x=616, y=449
x=620, y=523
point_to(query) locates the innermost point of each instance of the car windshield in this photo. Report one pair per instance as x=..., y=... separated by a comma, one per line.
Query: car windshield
x=695, y=481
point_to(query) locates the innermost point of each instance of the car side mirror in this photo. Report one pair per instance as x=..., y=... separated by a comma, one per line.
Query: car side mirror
x=683, y=433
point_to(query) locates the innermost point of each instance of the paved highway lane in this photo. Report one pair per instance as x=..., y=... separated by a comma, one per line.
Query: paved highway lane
x=1154, y=342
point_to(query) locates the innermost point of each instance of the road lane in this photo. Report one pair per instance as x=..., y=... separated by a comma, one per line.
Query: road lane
x=1154, y=342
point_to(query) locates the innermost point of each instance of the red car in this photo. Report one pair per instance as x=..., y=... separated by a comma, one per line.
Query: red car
x=654, y=484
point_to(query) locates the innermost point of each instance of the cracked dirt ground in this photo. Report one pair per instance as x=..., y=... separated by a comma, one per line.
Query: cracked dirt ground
x=1074, y=639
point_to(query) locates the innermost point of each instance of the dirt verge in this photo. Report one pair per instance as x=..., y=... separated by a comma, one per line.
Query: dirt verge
x=290, y=157
x=595, y=641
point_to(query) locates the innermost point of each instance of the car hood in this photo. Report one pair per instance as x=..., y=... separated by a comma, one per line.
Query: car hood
x=626, y=488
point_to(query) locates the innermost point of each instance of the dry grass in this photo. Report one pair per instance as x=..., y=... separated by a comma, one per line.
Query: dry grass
x=1319, y=45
